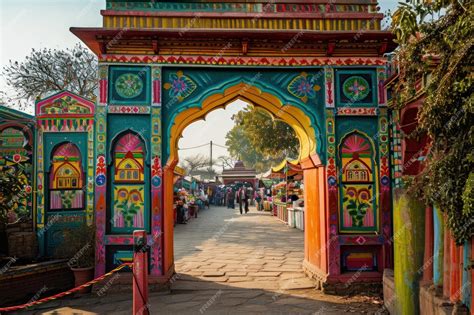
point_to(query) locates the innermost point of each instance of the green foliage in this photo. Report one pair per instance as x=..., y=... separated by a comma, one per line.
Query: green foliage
x=259, y=140
x=11, y=190
x=440, y=51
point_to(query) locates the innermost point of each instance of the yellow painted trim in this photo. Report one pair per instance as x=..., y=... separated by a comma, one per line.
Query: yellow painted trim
x=321, y=24
x=290, y=114
x=282, y=165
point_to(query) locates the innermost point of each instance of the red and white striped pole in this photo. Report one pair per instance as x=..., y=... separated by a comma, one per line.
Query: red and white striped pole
x=140, y=273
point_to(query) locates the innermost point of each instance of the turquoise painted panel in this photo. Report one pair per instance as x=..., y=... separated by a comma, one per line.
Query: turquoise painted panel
x=129, y=85
x=56, y=222
x=438, y=247
x=356, y=88
x=118, y=125
x=466, y=276
x=189, y=87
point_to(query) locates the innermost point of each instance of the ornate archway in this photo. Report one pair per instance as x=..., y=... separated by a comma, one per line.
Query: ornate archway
x=290, y=114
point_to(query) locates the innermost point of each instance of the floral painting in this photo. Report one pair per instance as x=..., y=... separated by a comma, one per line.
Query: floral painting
x=129, y=207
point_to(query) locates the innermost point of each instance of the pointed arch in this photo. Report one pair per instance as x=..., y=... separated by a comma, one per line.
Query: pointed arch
x=66, y=178
x=288, y=113
x=358, y=184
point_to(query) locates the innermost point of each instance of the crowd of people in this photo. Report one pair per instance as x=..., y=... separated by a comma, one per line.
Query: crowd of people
x=228, y=196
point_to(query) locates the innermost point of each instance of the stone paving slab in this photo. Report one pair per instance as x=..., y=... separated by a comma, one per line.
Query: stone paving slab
x=230, y=264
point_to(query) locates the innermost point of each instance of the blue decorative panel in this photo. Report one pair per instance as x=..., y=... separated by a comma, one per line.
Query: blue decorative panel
x=130, y=86
x=355, y=88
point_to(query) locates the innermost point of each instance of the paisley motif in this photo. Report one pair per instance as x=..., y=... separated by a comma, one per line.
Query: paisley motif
x=304, y=86
x=180, y=86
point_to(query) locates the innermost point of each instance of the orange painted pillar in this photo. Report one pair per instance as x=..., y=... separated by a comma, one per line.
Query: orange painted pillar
x=429, y=246
x=455, y=287
x=447, y=264
x=168, y=219
x=312, y=224
x=140, y=273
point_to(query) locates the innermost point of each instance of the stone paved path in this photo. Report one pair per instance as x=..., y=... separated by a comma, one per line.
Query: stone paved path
x=229, y=263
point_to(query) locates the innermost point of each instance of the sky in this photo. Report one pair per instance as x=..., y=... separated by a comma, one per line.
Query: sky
x=27, y=24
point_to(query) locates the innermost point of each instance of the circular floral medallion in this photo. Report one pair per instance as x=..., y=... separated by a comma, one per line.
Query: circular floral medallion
x=356, y=88
x=129, y=85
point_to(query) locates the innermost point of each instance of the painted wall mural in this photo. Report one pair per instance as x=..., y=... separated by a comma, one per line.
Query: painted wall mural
x=128, y=197
x=179, y=85
x=64, y=164
x=129, y=86
x=358, y=199
x=16, y=152
x=356, y=88
x=66, y=178
x=304, y=86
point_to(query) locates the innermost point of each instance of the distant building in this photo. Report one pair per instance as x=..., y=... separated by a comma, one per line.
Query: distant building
x=239, y=174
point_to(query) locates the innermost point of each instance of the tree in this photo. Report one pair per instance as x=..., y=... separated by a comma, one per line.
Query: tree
x=441, y=50
x=194, y=163
x=51, y=70
x=226, y=161
x=259, y=140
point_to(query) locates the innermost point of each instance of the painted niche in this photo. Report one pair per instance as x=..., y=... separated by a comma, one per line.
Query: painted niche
x=128, y=183
x=66, y=179
x=358, y=211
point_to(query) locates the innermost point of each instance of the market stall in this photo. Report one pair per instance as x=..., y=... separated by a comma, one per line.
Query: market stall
x=287, y=195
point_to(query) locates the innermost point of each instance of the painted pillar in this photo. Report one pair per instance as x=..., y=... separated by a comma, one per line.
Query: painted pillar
x=438, y=244
x=333, y=250
x=101, y=171
x=428, y=260
x=385, y=206
x=447, y=263
x=466, y=286
x=156, y=175
x=408, y=223
x=455, y=271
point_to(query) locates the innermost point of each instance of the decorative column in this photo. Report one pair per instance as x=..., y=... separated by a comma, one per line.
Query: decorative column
x=156, y=175
x=101, y=171
x=385, y=186
x=333, y=254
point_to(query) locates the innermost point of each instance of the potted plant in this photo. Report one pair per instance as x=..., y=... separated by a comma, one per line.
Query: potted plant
x=78, y=246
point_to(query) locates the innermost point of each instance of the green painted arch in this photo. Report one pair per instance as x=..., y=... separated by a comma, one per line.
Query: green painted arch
x=271, y=82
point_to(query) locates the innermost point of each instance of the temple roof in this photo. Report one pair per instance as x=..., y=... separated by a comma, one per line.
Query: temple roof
x=192, y=27
x=239, y=171
x=7, y=114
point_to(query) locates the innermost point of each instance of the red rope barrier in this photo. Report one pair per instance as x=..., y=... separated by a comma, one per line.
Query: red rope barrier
x=62, y=294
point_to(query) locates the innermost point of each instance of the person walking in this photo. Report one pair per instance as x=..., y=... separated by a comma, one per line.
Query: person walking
x=240, y=198
x=247, y=194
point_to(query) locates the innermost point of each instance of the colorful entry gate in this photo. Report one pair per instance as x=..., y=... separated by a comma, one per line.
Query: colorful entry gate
x=164, y=65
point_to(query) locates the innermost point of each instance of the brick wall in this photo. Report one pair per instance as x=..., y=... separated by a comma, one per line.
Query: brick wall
x=20, y=284
x=22, y=241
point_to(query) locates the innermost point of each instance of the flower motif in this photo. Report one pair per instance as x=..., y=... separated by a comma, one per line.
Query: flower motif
x=356, y=88
x=129, y=85
x=180, y=86
x=304, y=86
